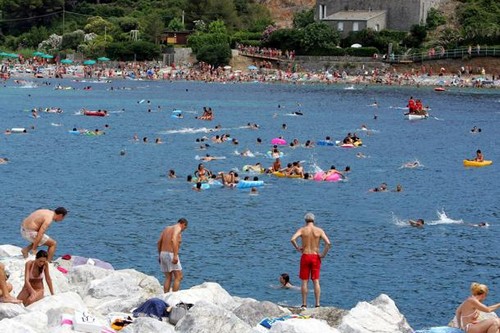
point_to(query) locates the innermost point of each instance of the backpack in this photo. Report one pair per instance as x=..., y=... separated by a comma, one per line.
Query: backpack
x=178, y=312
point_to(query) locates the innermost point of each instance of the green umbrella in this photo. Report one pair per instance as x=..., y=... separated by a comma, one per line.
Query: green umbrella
x=89, y=62
x=3, y=54
x=47, y=56
x=103, y=59
x=38, y=54
x=66, y=61
x=12, y=55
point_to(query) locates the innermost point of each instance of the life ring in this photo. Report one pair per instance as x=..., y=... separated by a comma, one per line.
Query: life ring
x=320, y=175
x=18, y=130
x=270, y=154
x=325, y=143
x=278, y=141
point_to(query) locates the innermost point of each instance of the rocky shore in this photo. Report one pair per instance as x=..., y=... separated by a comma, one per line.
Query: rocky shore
x=103, y=295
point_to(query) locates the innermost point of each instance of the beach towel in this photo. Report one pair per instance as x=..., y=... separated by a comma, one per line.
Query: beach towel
x=154, y=308
x=268, y=322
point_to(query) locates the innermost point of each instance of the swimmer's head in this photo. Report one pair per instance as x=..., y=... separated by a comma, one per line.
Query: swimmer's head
x=284, y=278
x=478, y=289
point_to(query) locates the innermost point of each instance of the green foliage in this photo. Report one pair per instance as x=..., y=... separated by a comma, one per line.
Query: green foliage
x=214, y=54
x=127, y=51
x=175, y=25
x=199, y=39
x=245, y=38
x=319, y=37
x=286, y=39
x=361, y=51
x=434, y=19
x=126, y=23
x=480, y=21
x=153, y=27
x=303, y=19
x=32, y=38
x=416, y=37
x=71, y=40
x=22, y=15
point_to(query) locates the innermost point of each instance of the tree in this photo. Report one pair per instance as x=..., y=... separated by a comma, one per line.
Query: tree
x=303, y=19
x=215, y=54
x=29, y=13
x=153, y=28
x=434, y=19
x=175, y=25
x=319, y=38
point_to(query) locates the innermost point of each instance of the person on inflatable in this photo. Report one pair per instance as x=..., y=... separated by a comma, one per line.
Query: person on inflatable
x=479, y=156
x=332, y=171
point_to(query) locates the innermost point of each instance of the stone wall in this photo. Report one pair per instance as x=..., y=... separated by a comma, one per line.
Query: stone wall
x=348, y=63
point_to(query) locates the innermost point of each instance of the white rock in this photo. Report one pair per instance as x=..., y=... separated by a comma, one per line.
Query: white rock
x=208, y=291
x=207, y=317
x=302, y=326
x=9, y=310
x=8, y=251
x=26, y=323
x=61, y=302
x=253, y=312
x=148, y=325
x=379, y=316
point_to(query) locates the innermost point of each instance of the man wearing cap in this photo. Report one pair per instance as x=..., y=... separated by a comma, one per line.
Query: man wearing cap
x=310, y=262
x=33, y=230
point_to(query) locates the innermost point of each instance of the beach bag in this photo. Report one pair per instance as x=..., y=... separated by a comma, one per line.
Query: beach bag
x=178, y=312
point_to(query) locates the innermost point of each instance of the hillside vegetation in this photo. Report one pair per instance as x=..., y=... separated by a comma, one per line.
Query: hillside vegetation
x=133, y=29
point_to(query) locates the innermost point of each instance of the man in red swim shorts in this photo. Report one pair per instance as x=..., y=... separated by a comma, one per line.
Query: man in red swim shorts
x=310, y=262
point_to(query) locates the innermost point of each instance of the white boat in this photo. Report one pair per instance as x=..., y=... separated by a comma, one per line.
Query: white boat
x=416, y=116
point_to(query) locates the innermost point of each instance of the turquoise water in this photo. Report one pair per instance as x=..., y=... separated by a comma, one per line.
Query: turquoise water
x=120, y=203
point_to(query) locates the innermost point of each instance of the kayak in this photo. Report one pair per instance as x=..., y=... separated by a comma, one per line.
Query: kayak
x=469, y=163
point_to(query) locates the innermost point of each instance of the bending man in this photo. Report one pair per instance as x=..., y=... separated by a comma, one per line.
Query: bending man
x=168, y=254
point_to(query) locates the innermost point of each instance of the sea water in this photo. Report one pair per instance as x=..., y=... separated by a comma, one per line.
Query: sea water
x=120, y=199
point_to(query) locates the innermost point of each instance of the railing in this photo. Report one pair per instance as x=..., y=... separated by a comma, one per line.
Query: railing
x=262, y=56
x=440, y=53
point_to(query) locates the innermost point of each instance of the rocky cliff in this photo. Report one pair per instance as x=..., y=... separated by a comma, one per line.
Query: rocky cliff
x=282, y=11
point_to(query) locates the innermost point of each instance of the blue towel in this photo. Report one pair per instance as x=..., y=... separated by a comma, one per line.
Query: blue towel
x=154, y=307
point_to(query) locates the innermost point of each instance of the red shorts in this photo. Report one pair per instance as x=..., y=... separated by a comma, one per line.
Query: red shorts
x=310, y=265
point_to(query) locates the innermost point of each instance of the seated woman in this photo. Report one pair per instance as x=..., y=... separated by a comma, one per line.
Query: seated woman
x=35, y=271
x=467, y=313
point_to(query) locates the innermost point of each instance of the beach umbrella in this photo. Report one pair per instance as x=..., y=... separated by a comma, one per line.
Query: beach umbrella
x=89, y=62
x=356, y=46
x=252, y=67
x=66, y=61
x=227, y=67
x=38, y=54
x=46, y=56
x=12, y=55
x=103, y=59
x=3, y=54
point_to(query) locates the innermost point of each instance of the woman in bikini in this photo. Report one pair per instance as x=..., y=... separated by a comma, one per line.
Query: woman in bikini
x=468, y=312
x=34, y=273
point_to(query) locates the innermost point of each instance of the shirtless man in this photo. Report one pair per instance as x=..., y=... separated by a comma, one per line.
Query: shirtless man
x=33, y=230
x=168, y=254
x=310, y=262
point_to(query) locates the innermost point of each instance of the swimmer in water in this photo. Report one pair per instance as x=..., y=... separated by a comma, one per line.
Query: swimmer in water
x=418, y=223
x=285, y=281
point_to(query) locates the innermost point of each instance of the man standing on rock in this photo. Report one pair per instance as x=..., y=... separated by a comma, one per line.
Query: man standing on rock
x=310, y=262
x=33, y=230
x=168, y=254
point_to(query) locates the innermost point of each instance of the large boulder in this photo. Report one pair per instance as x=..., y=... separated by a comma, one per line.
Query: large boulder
x=253, y=312
x=9, y=310
x=208, y=291
x=379, y=316
x=302, y=326
x=31, y=322
x=207, y=317
x=148, y=325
